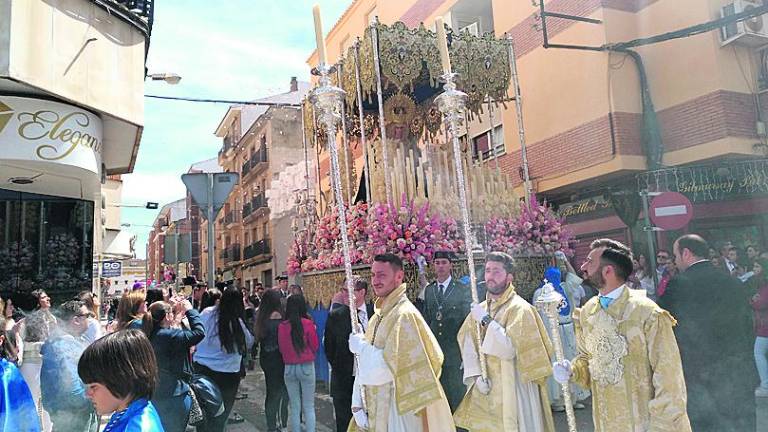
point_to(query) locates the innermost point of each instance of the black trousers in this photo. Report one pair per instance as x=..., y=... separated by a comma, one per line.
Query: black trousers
x=342, y=405
x=276, y=400
x=227, y=383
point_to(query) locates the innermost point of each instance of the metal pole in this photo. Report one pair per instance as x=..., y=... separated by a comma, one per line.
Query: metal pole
x=519, y=109
x=493, y=136
x=380, y=99
x=452, y=104
x=344, y=142
x=211, y=237
x=176, y=256
x=549, y=301
x=362, y=123
x=649, y=231
x=146, y=264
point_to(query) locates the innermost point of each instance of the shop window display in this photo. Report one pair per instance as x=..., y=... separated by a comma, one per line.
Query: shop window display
x=45, y=242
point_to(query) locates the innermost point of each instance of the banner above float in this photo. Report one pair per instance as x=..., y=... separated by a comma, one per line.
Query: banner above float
x=45, y=131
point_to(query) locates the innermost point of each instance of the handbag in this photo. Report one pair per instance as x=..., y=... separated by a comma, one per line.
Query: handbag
x=196, y=414
x=208, y=396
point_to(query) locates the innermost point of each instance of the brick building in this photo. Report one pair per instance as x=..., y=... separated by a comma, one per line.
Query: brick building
x=259, y=141
x=583, y=110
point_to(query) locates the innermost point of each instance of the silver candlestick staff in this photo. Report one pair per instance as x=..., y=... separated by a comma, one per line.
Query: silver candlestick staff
x=327, y=102
x=452, y=103
x=549, y=302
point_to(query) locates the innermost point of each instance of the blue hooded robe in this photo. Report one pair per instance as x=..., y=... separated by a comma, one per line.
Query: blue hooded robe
x=17, y=408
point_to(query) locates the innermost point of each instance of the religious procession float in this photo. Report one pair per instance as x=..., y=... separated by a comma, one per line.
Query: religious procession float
x=389, y=122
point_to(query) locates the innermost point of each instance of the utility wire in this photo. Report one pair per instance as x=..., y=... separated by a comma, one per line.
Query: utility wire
x=689, y=31
x=225, y=101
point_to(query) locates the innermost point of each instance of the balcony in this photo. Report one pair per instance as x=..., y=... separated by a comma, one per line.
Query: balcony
x=259, y=160
x=258, y=207
x=230, y=254
x=231, y=218
x=245, y=169
x=258, y=249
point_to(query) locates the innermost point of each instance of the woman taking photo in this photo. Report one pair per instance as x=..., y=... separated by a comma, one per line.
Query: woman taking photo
x=172, y=397
x=131, y=310
x=120, y=375
x=298, y=343
x=268, y=320
x=221, y=352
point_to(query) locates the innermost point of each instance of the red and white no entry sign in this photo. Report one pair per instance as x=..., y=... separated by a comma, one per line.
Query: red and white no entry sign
x=671, y=211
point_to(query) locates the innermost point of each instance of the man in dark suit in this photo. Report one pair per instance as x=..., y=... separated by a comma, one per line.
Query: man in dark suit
x=447, y=302
x=715, y=338
x=336, y=343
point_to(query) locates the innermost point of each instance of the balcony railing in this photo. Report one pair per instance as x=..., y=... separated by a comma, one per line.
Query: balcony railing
x=259, y=159
x=253, y=250
x=230, y=253
x=257, y=207
x=246, y=168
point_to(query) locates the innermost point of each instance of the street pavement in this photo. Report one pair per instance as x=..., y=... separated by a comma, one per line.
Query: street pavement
x=252, y=408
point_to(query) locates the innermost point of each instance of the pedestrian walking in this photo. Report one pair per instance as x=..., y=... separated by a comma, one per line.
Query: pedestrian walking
x=34, y=330
x=63, y=392
x=173, y=398
x=18, y=412
x=120, y=373
x=268, y=319
x=220, y=354
x=298, y=343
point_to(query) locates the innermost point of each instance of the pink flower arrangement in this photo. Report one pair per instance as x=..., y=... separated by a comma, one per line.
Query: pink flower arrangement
x=536, y=231
x=410, y=231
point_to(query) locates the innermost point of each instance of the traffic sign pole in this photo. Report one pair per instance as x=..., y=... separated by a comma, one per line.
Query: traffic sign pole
x=211, y=237
x=648, y=228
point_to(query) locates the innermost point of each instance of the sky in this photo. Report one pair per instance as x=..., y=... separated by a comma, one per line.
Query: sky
x=234, y=50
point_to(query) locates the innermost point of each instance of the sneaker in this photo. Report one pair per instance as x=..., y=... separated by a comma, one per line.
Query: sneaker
x=761, y=392
x=579, y=406
x=558, y=408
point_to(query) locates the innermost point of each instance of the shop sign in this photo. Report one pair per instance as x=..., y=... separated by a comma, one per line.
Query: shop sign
x=707, y=183
x=584, y=209
x=45, y=131
x=111, y=269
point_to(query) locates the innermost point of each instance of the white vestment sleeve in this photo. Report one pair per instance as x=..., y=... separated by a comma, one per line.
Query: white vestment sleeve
x=470, y=359
x=373, y=369
x=497, y=343
x=357, y=396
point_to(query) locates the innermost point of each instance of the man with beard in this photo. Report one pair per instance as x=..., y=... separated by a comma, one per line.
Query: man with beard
x=517, y=353
x=628, y=355
x=715, y=337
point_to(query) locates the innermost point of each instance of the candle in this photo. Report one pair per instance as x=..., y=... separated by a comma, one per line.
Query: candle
x=319, y=34
x=442, y=44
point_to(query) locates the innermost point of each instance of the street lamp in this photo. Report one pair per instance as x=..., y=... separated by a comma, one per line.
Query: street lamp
x=170, y=78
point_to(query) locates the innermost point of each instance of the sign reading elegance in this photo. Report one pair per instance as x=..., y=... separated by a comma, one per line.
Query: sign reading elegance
x=46, y=131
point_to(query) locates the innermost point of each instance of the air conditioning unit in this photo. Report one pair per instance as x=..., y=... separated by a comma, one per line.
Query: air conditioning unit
x=752, y=32
x=473, y=29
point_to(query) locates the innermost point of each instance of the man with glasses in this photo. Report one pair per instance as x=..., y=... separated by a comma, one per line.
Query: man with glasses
x=63, y=392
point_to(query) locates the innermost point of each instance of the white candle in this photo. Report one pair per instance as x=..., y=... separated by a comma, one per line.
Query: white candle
x=442, y=44
x=319, y=34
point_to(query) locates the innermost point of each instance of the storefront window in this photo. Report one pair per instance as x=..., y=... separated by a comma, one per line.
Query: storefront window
x=45, y=242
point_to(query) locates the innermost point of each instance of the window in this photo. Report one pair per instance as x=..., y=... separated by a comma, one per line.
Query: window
x=483, y=149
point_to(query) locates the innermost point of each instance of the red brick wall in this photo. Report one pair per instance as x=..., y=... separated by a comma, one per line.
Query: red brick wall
x=701, y=120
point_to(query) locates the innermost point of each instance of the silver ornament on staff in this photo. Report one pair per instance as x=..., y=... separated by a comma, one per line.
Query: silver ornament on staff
x=327, y=100
x=452, y=103
x=549, y=302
